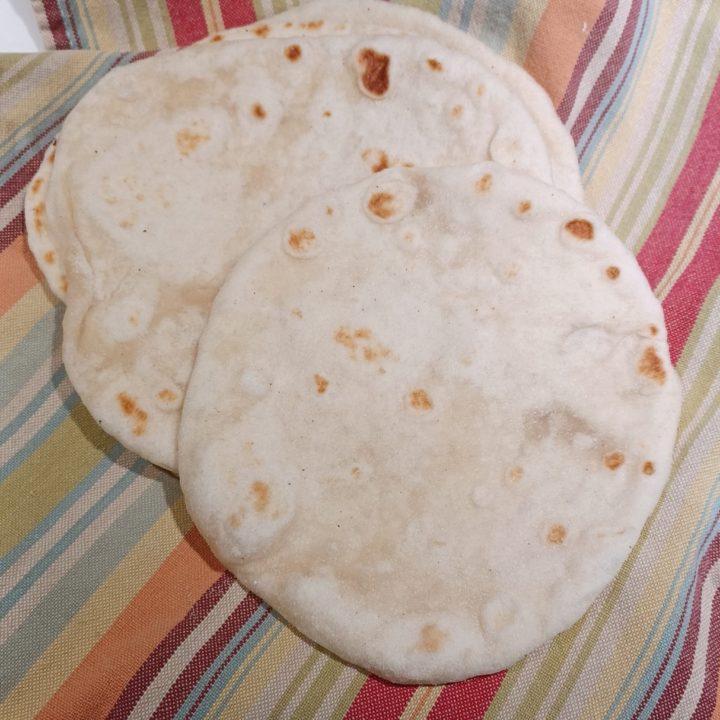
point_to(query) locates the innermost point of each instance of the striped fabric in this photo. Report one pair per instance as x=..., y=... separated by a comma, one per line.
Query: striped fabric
x=111, y=605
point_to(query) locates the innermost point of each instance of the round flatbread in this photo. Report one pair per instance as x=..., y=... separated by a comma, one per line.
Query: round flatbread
x=372, y=17
x=169, y=169
x=428, y=418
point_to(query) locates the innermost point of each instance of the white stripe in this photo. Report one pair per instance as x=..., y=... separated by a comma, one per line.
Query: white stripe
x=691, y=695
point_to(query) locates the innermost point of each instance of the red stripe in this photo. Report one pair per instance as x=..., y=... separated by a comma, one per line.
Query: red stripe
x=193, y=671
x=595, y=38
x=156, y=660
x=55, y=23
x=680, y=675
x=380, y=700
x=687, y=193
x=706, y=703
x=608, y=74
x=684, y=301
x=467, y=700
x=11, y=231
x=188, y=21
x=237, y=12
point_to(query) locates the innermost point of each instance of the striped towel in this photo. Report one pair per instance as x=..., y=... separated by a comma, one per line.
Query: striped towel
x=111, y=605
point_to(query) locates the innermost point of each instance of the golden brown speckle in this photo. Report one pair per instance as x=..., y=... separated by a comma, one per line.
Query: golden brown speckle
x=261, y=495
x=355, y=472
x=126, y=224
x=327, y=114
x=378, y=158
x=235, y=520
x=63, y=283
x=328, y=210
x=381, y=205
x=134, y=320
x=581, y=229
x=39, y=217
x=297, y=312
x=648, y=468
x=188, y=140
x=431, y=639
x=514, y=473
x=293, y=52
x=36, y=184
x=524, y=206
x=556, y=535
x=614, y=460
x=434, y=65
x=166, y=395
x=375, y=78
x=51, y=156
x=320, y=384
x=653, y=329
x=262, y=30
x=613, y=272
x=480, y=90
x=456, y=111
x=129, y=407
x=484, y=183
x=420, y=400
x=49, y=257
x=301, y=240
x=216, y=38
x=258, y=111
x=651, y=365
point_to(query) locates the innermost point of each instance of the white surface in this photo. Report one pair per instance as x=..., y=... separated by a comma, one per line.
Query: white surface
x=18, y=28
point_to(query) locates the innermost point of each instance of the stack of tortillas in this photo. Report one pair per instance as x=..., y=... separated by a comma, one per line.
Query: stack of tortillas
x=336, y=269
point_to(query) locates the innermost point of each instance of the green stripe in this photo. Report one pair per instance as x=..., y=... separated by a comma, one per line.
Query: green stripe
x=348, y=696
x=31, y=64
x=167, y=24
x=127, y=23
x=318, y=690
x=144, y=21
x=294, y=685
x=506, y=687
x=44, y=479
x=698, y=328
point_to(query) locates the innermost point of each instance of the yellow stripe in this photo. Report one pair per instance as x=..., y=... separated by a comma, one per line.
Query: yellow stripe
x=17, y=322
x=421, y=703
x=96, y=616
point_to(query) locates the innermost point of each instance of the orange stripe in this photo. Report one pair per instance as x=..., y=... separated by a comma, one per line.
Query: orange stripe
x=93, y=687
x=557, y=42
x=18, y=272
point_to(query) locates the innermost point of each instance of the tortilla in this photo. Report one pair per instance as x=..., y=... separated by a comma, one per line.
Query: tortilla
x=372, y=17
x=169, y=169
x=429, y=416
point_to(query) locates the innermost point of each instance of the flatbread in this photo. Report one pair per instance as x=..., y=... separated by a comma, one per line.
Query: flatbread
x=373, y=17
x=428, y=418
x=169, y=169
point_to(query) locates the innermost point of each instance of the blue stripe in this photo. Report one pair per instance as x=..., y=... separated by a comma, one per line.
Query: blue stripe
x=25, y=358
x=27, y=581
x=206, y=678
x=594, y=130
x=445, y=9
x=465, y=14
x=73, y=13
x=90, y=27
x=20, y=548
x=32, y=407
x=276, y=630
x=671, y=593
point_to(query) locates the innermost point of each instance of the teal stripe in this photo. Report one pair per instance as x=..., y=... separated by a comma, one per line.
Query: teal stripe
x=34, y=405
x=59, y=606
x=214, y=685
x=26, y=357
x=671, y=593
x=445, y=9
x=61, y=508
x=30, y=578
x=465, y=14
x=274, y=632
x=495, y=30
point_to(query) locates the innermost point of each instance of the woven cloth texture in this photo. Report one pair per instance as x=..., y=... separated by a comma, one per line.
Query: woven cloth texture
x=111, y=604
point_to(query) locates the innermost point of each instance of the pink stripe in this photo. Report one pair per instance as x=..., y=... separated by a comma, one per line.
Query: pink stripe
x=706, y=703
x=55, y=23
x=687, y=193
x=188, y=21
x=237, y=12
x=380, y=700
x=467, y=700
x=597, y=35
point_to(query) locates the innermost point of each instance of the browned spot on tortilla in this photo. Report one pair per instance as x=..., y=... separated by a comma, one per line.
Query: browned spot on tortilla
x=653, y=329
x=262, y=30
x=581, y=229
x=188, y=140
x=49, y=257
x=130, y=408
x=288, y=24
x=328, y=210
x=420, y=400
x=651, y=365
x=36, y=184
x=261, y=495
x=297, y=312
x=125, y=224
x=63, y=283
x=344, y=337
x=327, y=113
x=556, y=535
x=235, y=520
x=480, y=89
x=139, y=196
x=293, y=53
x=301, y=240
x=431, y=639
x=456, y=111
x=216, y=38
x=352, y=341
x=363, y=333
x=648, y=468
x=380, y=204
x=321, y=384
x=524, y=206
x=134, y=319
x=166, y=395
x=39, y=217
x=375, y=78
x=378, y=158
x=434, y=65
x=484, y=183
x=258, y=111
x=51, y=156
x=514, y=473
x=312, y=25
x=614, y=460
x=355, y=472
x=613, y=272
